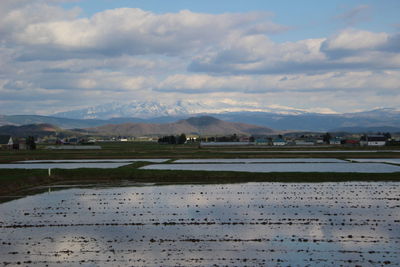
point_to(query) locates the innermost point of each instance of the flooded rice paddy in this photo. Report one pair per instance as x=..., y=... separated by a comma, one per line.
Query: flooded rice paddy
x=75, y=163
x=259, y=160
x=281, y=167
x=91, y=160
x=312, y=151
x=394, y=161
x=104, y=165
x=253, y=224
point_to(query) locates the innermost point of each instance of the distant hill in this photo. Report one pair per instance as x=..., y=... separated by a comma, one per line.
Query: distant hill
x=378, y=120
x=253, y=113
x=64, y=123
x=204, y=125
x=36, y=130
x=381, y=129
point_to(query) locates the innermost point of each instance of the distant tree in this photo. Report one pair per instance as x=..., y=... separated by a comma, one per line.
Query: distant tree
x=326, y=137
x=30, y=143
x=235, y=138
x=269, y=139
x=182, y=139
x=388, y=136
x=252, y=139
x=172, y=140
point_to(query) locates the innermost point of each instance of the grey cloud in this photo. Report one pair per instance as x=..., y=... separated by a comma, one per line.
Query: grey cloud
x=281, y=67
x=392, y=45
x=355, y=15
x=17, y=85
x=267, y=28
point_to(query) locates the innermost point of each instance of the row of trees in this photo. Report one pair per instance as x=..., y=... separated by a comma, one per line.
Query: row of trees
x=30, y=143
x=171, y=139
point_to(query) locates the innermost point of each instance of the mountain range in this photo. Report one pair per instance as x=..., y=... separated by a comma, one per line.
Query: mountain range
x=386, y=119
x=204, y=125
x=154, y=109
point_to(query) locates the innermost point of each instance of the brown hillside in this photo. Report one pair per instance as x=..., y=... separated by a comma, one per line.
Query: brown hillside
x=36, y=130
x=196, y=125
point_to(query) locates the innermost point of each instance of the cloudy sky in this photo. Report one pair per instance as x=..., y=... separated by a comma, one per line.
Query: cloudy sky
x=325, y=56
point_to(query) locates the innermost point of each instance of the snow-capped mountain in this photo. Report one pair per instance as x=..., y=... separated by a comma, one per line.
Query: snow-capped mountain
x=276, y=117
x=152, y=109
x=279, y=118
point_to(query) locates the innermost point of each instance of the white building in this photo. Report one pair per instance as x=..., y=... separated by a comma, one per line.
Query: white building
x=374, y=140
x=278, y=142
x=335, y=141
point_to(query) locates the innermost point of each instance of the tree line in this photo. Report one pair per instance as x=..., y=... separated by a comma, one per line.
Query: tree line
x=172, y=139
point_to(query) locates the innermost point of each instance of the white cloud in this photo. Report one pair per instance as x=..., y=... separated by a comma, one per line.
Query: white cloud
x=349, y=50
x=137, y=32
x=332, y=81
x=351, y=39
x=55, y=55
x=17, y=15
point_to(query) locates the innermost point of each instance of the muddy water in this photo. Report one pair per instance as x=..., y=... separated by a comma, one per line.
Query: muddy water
x=235, y=224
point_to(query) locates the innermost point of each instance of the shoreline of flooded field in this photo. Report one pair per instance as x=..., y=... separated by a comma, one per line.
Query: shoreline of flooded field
x=350, y=223
x=268, y=167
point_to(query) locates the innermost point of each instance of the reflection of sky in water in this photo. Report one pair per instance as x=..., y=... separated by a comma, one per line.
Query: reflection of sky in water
x=311, y=151
x=255, y=160
x=104, y=165
x=395, y=161
x=91, y=160
x=233, y=224
x=281, y=167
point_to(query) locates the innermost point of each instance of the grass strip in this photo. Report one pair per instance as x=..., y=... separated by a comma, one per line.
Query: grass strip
x=16, y=180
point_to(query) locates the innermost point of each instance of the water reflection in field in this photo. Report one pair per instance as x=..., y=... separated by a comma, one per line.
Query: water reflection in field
x=259, y=160
x=105, y=165
x=91, y=160
x=281, y=167
x=234, y=224
x=391, y=160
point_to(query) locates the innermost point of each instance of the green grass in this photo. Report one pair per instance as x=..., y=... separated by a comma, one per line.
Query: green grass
x=18, y=180
x=154, y=150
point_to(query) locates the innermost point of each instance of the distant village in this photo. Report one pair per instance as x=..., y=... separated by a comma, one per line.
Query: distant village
x=304, y=140
x=287, y=140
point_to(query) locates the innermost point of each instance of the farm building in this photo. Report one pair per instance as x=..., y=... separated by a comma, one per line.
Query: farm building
x=335, y=141
x=6, y=142
x=278, y=142
x=373, y=140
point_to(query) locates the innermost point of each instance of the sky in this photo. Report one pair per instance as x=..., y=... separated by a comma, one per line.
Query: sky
x=318, y=56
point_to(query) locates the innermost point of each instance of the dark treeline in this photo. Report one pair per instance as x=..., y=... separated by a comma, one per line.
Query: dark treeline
x=171, y=139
